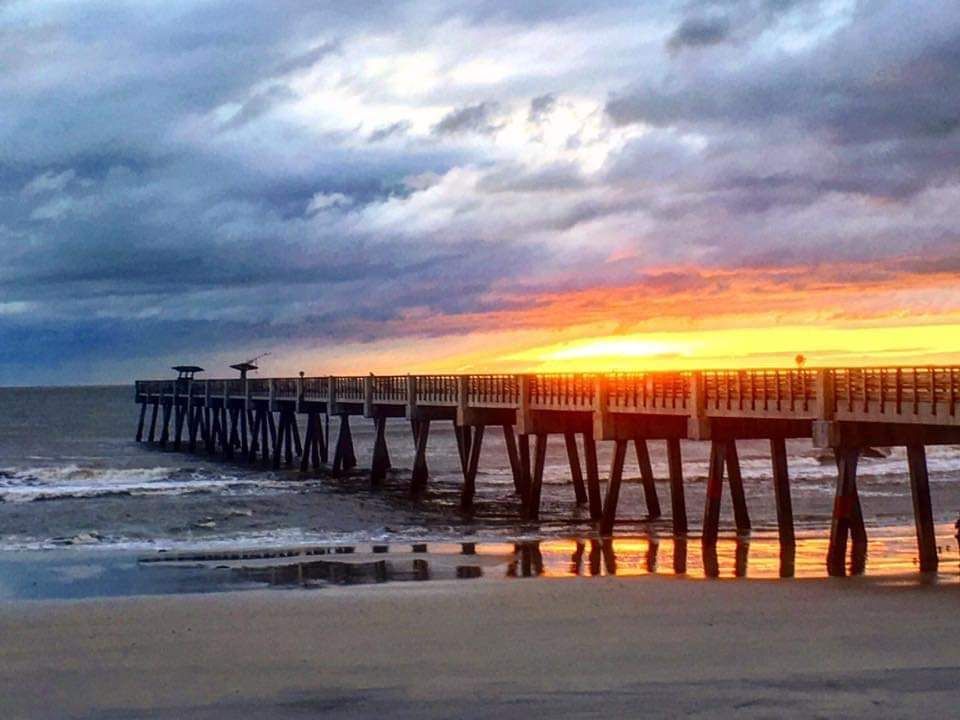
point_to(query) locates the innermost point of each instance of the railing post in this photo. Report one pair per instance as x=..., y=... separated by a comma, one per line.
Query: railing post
x=524, y=418
x=602, y=426
x=463, y=400
x=698, y=424
x=331, y=395
x=411, y=396
x=825, y=433
x=368, y=396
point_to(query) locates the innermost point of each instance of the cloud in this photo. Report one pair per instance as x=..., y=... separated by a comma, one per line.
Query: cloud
x=472, y=118
x=541, y=106
x=699, y=32
x=237, y=173
x=401, y=127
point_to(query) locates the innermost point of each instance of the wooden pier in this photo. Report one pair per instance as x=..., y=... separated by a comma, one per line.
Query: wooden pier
x=842, y=409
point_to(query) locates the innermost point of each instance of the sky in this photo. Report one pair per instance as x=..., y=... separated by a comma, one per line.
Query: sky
x=476, y=186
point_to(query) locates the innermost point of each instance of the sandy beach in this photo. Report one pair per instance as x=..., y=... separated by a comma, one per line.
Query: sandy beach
x=639, y=647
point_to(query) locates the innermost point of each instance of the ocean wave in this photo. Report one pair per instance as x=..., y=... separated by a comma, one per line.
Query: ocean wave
x=20, y=485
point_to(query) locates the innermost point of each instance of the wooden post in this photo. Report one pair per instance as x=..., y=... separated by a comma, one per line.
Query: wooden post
x=421, y=430
x=843, y=509
x=646, y=477
x=510, y=440
x=244, y=430
x=740, y=513
x=593, y=475
x=229, y=431
x=711, y=511
x=680, y=555
x=288, y=442
x=254, y=435
x=473, y=463
x=295, y=427
x=143, y=413
x=318, y=448
x=576, y=472
x=165, y=430
x=781, y=490
x=265, y=434
x=524, y=446
x=536, y=484
x=381, y=459
x=613, y=488
x=922, y=509
x=678, y=502
x=308, y=439
x=277, y=436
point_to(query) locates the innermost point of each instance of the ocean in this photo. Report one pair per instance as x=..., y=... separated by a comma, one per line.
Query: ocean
x=72, y=477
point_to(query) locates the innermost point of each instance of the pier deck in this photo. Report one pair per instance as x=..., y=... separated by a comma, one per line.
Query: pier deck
x=842, y=409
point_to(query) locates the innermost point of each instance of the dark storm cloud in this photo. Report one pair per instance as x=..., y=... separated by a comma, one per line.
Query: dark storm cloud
x=477, y=118
x=695, y=32
x=541, y=106
x=392, y=130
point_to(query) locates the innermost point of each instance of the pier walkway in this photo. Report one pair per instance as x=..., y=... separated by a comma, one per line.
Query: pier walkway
x=842, y=409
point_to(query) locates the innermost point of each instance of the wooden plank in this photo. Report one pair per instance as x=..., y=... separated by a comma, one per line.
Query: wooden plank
x=576, y=472
x=646, y=478
x=741, y=515
x=781, y=491
x=922, y=508
x=613, y=488
x=714, y=492
x=678, y=502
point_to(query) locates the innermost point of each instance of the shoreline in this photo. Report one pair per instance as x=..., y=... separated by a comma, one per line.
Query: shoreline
x=619, y=646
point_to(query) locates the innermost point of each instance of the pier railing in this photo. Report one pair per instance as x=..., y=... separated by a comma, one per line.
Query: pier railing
x=893, y=394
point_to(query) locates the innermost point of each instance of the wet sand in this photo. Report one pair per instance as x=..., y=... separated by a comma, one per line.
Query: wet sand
x=576, y=647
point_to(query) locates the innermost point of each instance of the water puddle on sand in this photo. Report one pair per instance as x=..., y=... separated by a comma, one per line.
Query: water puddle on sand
x=890, y=557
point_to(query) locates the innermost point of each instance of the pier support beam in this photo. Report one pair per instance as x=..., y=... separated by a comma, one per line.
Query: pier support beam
x=646, y=478
x=510, y=440
x=613, y=487
x=523, y=442
x=593, y=476
x=153, y=422
x=472, y=442
x=143, y=413
x=723, y=452
x=711, y=510
x=678, y=502
x=847, y=516
x=344, y=456
x=922, y=509
x=165, y=430
x=576, y=472
x=421, y=432
x=535, y=489
x=381, y=455
x=741, y=516
x=781, y=491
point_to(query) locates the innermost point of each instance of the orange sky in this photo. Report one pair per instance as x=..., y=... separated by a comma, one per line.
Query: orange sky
x=680, y=319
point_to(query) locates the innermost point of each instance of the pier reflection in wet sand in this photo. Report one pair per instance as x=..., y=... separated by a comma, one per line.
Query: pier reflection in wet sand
x=760, y=556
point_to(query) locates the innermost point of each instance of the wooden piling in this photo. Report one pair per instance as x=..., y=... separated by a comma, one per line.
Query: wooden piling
x=843, y=509
x=613, y=488
x=153, y=422
x=576, y=472
x=421, y=433
x=711, y=510
x=143, y=413
x=308, y=441
x=740, y=513
x=536, y=481
x=381, y=458
x=510, y=440
x=473, y=464
x=179, y=412
x=647, y=479
x=523, y=442
x=922, y=508
x=781, y=491
x=165, y=430
x=593, y=476
x=678, y=502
